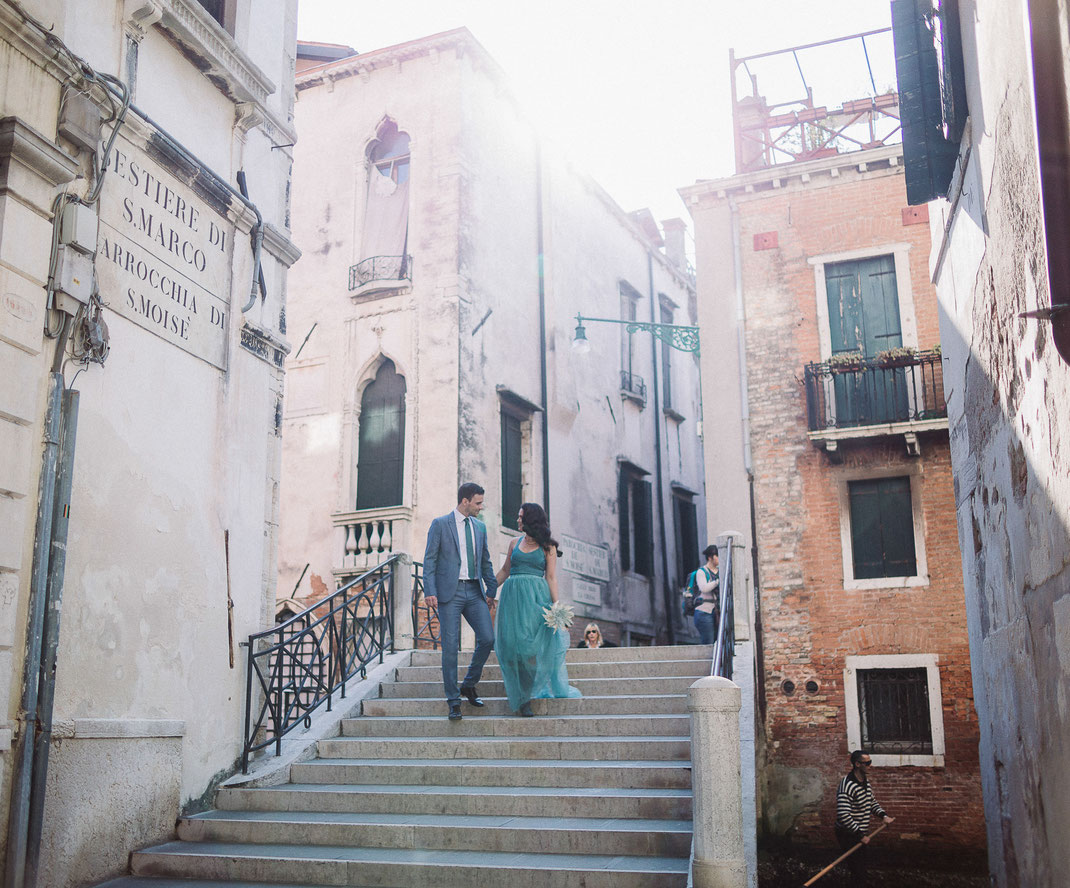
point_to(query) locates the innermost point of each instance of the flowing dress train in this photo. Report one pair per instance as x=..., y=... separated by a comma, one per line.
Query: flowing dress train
x=530, y=653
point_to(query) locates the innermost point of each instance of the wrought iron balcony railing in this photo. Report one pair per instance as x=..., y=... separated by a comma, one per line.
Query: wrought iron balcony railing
x=849, y=392
x=380, y=269
x=632, y=384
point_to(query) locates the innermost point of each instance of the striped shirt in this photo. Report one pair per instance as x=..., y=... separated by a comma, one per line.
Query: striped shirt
x=855, y=804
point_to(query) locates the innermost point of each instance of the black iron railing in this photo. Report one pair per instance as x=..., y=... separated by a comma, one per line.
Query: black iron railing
x=424, y=615
x=380, y=268
x=633, y=384
x=724, y=645
x=849, y=392
x=298, y=665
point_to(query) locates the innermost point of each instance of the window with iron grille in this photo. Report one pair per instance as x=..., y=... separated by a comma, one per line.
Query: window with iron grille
x=893, y=708
x=882, y=528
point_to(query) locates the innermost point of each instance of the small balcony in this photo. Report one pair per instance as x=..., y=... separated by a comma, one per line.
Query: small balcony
x=368, y=537
x=380, y=274
x=632, y=387
x=897, y=393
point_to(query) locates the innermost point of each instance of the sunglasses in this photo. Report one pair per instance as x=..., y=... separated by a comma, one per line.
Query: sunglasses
x=866, y=764
x=592, y=632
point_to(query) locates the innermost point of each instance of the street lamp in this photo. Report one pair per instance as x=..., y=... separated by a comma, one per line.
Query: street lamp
x=678, y=336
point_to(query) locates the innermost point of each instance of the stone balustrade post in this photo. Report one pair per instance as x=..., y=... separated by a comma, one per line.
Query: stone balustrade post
x=713, y=704
x=403, y=630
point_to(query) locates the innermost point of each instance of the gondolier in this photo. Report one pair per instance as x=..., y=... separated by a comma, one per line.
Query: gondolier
x=855, y=806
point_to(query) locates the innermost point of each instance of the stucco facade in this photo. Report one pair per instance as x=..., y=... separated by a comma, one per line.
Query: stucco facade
x=1008, y=394
x=461, y=323
x=177, y=445
x=768, y=243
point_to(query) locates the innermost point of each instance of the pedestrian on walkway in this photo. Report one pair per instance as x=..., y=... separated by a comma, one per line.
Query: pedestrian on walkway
x=855, y=805
x=702, y=598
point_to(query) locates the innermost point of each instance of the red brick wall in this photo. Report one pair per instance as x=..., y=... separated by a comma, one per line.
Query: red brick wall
x=810, y=621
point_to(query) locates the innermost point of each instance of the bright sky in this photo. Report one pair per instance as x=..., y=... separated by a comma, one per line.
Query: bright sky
x=635, y=93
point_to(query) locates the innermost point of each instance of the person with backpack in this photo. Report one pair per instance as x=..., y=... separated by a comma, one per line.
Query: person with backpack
x=702, y=597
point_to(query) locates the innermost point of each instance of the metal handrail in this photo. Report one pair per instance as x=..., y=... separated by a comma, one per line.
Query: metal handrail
x=380, y=268
x=428, y=629
x=299, y=664
x=724, y=647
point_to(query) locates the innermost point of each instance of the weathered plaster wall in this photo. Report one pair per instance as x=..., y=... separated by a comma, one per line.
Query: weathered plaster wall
x=1009, y=432
x=172, y=451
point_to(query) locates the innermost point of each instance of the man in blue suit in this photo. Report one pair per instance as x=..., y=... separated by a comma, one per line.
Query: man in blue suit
x=457, y=567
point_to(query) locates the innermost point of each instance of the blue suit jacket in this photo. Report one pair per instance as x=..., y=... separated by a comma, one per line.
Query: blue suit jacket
x=442, y=558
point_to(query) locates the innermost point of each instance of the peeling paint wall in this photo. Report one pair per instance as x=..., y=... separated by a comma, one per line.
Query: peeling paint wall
x=467, y=325
x=1010, y=428
x=173, y=449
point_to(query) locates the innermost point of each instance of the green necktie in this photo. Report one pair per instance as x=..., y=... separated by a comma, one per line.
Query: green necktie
x=471, y=546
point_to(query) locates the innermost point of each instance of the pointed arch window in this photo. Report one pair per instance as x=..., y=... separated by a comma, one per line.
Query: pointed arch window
x=385, y=235
x=381, y=441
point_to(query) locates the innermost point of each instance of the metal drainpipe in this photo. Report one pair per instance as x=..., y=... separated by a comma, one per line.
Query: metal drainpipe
x=542, y=332
x=19, y=815
x=50, y=642
x=666, y=591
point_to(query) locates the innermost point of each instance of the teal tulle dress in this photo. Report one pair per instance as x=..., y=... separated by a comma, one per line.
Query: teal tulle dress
x=531, y=654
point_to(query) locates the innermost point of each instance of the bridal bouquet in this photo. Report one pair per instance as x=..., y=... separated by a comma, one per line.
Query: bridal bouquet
x=558, y=615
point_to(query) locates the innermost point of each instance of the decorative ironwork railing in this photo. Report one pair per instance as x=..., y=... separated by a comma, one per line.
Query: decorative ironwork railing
x=633, y=384
x=724, y=645
x=424, y=616
x=380, y=268
x=298, y=665
x=850, y=391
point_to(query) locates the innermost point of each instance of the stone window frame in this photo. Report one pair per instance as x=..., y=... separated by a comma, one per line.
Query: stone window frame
x=931, y=664
x=865, y=473
x=900, y=253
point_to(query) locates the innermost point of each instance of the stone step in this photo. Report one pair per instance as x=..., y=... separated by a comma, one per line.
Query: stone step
x=492, y=772
x=584, y=655
x=528, y=835
x=589, y=687
x=528, y=748
x=510, y=726
x=665, y=704
x=402, y=867
x=637, y=668
x=506, y=801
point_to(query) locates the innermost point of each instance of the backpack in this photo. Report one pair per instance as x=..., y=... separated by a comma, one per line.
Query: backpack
x=693, y=598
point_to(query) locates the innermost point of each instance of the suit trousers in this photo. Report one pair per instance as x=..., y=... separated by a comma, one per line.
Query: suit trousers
x=470, y=603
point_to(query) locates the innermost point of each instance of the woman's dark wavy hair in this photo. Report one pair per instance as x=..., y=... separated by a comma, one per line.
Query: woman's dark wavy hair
x=536, y=526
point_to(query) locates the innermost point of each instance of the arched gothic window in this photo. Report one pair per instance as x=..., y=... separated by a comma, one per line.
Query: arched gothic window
x=385, y=237
x=381, y=442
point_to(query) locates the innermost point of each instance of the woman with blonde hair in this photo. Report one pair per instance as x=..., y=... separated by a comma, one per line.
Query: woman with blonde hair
x=592, y=638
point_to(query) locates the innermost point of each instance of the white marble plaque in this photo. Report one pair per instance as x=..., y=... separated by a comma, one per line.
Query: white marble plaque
x=586, y=593
x=164, y=255
x=584, y=559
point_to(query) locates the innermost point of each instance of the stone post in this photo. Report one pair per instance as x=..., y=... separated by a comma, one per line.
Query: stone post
x=403, y=634
x=742, y=604
x=716, y=785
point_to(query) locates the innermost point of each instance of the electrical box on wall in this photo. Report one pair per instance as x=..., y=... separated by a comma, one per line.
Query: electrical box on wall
x=78, y=227
x=79, y=120
x=74, y=279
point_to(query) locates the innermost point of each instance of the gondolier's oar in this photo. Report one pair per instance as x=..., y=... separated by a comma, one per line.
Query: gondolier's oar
x=843, y=857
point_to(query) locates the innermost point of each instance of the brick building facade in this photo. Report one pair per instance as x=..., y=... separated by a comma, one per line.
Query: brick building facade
x=846, y=451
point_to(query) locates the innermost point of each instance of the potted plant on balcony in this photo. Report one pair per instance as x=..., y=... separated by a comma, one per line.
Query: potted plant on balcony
x=900, y=356
x=844, y=362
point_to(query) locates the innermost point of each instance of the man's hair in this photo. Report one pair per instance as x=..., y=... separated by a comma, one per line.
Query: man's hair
x=856, y=756
x=709, y=551
x=468, y=490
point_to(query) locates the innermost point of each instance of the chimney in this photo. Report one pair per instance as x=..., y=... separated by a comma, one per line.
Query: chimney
x=674, y=231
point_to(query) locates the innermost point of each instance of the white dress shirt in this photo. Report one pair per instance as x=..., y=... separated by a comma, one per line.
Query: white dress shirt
x=463, y=545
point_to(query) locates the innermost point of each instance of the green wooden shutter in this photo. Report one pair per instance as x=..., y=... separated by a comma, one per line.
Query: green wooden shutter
x=512, y=477
x=644, y=528
x=623, y=483
x=381, y=441
x=882, y=528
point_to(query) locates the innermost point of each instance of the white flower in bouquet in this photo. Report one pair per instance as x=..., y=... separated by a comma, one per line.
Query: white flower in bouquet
x=558, y=615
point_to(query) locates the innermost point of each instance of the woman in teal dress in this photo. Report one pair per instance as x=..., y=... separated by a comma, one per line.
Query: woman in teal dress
x=531, y=654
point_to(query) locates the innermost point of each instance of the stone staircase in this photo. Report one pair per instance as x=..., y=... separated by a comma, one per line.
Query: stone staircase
x=591, y=793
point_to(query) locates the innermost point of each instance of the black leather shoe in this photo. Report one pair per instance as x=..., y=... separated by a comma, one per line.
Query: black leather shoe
x=470, y=695
x=455, y=712
x=525, y=710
